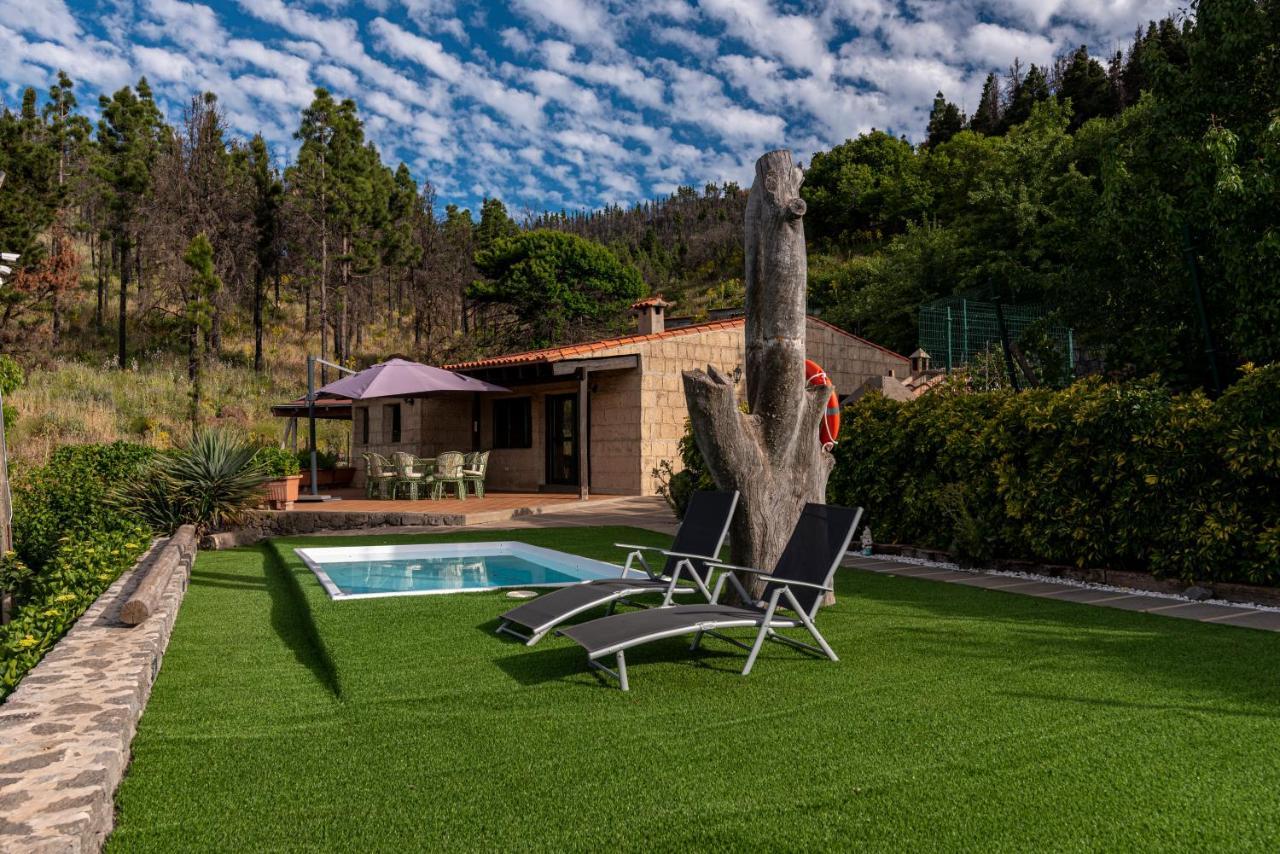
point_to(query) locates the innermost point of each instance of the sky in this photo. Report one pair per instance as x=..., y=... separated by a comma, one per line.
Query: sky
x=550, y=104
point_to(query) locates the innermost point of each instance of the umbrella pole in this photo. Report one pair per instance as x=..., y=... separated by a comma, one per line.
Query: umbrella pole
x=311, y=420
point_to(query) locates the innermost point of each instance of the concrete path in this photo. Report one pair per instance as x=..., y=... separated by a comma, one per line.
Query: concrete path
x=1128, y=600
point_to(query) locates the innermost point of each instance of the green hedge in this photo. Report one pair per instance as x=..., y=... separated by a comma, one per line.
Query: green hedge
x=1121, y=475
x=70, y=544
x=69, y=496
x=82, y=567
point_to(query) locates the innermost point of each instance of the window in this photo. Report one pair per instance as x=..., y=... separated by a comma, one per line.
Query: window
x=391, y=422
x=364, y=425
x=513, y=423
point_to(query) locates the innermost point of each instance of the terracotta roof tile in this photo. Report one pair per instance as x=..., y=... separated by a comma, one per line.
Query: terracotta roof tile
x=556, y=354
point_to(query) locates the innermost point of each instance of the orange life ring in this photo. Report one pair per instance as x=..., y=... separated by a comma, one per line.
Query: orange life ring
x=829, y=429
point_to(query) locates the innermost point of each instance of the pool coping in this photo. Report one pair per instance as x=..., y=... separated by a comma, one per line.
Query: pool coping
x=495, y=547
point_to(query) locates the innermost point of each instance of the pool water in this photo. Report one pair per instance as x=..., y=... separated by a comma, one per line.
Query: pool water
x=363, y=572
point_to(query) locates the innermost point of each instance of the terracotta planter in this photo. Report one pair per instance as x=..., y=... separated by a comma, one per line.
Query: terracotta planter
x=282, y=492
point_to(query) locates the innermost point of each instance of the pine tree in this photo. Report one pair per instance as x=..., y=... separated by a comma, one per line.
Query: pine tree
x=197, y=313
x=128, y=139
x=945, y=121
x=986, y=119
x=268, y=195
x=1030, y=90
x=494, y=224
x=1085, y=84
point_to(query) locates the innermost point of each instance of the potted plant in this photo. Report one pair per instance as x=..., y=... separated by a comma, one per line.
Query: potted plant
x=281, y=468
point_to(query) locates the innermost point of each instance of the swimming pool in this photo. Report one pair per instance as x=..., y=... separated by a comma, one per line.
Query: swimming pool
x=364, y=572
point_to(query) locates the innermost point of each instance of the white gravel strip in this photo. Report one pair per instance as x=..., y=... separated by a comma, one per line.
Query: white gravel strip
x=1065, y=582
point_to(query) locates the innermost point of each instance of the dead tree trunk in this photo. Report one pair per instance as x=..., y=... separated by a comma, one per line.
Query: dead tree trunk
x=770, y=454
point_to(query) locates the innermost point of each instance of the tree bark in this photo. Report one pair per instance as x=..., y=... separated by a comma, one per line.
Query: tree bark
x=258, y=282
x=122, y=344
x=770, y=454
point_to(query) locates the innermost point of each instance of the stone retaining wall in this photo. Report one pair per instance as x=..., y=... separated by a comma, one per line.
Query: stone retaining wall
x=65, y=732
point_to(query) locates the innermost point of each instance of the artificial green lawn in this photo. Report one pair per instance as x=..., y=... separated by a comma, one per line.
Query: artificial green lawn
x=957, y=718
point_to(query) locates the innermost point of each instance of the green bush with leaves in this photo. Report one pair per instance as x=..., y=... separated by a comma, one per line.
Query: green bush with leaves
x=82, y=567
x=208, y=482
x=11, y=379
x=324, y=459
x=276, y=462
x=1122, y=475
x=68, y=496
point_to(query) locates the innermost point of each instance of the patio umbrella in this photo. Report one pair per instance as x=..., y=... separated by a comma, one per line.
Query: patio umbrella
x=402, y=378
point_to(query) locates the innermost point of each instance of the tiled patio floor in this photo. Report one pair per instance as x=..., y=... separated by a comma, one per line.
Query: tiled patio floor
x=354, y=501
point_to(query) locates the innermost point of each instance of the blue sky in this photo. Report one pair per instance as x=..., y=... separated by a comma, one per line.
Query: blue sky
x=560, y=103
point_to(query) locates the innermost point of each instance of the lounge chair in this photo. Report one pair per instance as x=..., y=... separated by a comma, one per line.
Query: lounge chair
x=701, y=534
x=789, y=600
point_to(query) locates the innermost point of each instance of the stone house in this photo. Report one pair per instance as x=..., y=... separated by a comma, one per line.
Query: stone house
x=594, y=417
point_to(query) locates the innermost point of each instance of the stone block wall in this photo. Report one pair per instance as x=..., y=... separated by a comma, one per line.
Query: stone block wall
x=637, y=415
x=850, y=361
x=65, y=732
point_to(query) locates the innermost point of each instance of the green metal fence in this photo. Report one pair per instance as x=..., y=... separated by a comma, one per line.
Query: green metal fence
x=954, y=330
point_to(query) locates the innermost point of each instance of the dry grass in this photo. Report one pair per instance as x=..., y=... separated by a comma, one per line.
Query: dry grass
x=69, y=401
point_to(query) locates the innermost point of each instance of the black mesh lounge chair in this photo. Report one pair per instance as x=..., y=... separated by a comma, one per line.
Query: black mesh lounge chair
x=701, y=534
x=798, y=581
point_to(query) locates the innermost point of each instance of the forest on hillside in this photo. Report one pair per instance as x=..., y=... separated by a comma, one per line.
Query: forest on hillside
x=1134, y=196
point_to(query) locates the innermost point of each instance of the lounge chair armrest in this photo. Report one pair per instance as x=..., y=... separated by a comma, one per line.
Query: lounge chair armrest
x=635, y=548
x=721, y=565
x=789, y=582
x=684, y=555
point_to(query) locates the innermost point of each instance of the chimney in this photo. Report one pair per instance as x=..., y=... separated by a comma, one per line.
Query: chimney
x=651, y=314
x=919, y=362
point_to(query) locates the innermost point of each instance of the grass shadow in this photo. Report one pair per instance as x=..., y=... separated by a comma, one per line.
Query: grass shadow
x=558, y=660
x=292, y=620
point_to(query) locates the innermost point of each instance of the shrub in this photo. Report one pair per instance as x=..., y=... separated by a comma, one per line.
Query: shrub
x=276, y=462
x=68, y=496
x=11, y=379
x=678, y=486
x=208, y=482
x=324, y=459
x=1124, y=475
x=82, y=567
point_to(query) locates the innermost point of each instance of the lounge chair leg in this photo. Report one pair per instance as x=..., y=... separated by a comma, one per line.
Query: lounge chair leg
x=755, y=650
x=622, y=671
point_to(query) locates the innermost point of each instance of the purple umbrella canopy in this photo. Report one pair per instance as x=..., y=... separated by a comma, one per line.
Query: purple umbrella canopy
x=402, y=378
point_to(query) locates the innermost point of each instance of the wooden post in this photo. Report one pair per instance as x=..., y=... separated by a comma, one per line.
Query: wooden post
x=6, y=514
x=772, y=454
x=584, y=439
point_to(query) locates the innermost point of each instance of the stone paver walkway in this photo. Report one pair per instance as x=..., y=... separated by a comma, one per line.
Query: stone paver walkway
x=1205, y=612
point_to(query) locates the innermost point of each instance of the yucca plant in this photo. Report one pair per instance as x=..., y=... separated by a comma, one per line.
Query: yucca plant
x=210, y=482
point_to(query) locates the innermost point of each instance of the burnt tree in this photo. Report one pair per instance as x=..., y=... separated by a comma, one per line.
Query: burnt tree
x=770, y=453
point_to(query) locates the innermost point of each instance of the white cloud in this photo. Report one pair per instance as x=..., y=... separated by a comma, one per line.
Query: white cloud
x=191, y=24
x=999, y=46
x=688, y=39
x=516, y=40
x=427, y=53
x=49, y=19
x=163, y=65
x=627, y=79
x=585, y=101
x=338, y=77
x=794, y=39
x=582, y=20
